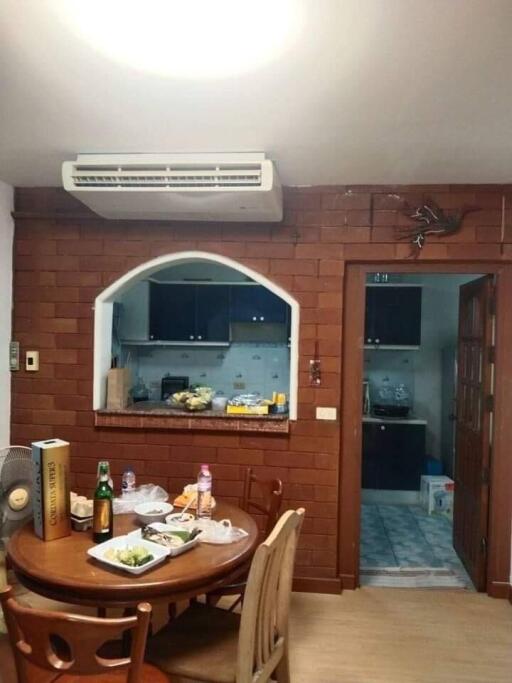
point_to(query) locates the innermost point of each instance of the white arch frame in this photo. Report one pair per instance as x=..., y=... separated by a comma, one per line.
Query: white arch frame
x=104, y=307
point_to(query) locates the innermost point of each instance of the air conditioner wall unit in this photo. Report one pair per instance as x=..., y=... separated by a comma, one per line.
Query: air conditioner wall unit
x=184, y=187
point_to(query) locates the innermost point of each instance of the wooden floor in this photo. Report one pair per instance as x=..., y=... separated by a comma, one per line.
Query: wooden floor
x=379, y=635
x=385, y=635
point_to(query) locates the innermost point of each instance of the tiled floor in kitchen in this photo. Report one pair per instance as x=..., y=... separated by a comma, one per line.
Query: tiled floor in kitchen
x=401, y=545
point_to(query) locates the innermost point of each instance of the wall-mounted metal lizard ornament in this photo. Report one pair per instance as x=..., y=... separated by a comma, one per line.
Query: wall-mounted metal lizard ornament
x=433, y=221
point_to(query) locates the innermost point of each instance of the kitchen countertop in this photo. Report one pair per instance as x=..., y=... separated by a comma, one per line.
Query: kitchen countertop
x=162, y=408
x=158, y=415
x=394, y=420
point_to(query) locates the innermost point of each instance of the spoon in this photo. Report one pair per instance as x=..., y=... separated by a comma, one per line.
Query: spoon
x=180, y=518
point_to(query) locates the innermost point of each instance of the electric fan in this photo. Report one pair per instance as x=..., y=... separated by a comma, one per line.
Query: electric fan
x=16, y=488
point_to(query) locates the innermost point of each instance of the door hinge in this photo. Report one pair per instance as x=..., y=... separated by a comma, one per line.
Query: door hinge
x=492, y=354
x=492, y=301
x=489, y=403
x=483, y=545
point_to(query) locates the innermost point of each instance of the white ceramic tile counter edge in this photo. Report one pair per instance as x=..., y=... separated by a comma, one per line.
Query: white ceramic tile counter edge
x=394, y=420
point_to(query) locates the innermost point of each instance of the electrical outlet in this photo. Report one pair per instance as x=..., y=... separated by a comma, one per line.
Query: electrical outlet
x=238, y=385
x=32, y=361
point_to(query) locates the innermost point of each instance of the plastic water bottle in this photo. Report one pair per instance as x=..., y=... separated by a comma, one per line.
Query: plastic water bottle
x=128, y=481
x=204, y=493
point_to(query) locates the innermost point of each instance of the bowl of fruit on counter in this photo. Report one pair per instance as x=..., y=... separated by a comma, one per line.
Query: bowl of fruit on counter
x=194, y=399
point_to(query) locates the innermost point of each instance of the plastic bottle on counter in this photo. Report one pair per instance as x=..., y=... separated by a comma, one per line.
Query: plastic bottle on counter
x=128, y=481
x=204, y=493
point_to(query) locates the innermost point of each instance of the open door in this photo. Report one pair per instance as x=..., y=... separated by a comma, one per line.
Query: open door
x=473, y=427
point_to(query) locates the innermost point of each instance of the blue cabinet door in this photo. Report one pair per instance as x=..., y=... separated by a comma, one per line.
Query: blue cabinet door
x=393, y=316
x=255, y=303
x=212, y=313
x=393, y=456
x=172, y=312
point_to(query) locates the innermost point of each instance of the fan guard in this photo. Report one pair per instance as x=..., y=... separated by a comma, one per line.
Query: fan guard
x=16, y=487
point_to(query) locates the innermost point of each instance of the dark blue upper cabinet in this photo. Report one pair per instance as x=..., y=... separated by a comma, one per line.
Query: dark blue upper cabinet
x=192, y=313
x=255, y=303
x=212, y=313
x=172, y=312
x=393, y=316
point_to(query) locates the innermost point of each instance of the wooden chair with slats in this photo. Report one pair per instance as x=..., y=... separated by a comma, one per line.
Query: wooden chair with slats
x=65, y=648
x=216, y=646
x=267, y=506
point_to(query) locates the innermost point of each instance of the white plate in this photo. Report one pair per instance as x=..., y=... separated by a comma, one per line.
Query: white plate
x=159, y=553
x=136, y=536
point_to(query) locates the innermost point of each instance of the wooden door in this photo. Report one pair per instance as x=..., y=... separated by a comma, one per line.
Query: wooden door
x=473, y=427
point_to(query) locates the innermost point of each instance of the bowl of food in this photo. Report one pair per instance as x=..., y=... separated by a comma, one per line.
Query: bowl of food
x=133, y=555
x=152, y=512
x=175, y=539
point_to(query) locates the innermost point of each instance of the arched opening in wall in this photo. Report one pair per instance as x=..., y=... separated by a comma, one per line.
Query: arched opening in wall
x=197, y=319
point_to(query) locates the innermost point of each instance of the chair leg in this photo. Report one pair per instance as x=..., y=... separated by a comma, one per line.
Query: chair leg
x=282, y=672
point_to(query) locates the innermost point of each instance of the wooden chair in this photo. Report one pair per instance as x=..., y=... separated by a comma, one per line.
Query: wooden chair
x=54, y=646
x=267, y=504
x=210, y=644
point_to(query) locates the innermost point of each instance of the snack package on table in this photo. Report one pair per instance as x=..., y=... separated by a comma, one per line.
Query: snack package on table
x=147, y=493
x=189, y=492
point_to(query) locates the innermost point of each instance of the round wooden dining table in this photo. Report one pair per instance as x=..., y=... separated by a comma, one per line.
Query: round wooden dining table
x=62, y=570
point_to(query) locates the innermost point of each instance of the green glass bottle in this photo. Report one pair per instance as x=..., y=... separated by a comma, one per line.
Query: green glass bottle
x=103, y=520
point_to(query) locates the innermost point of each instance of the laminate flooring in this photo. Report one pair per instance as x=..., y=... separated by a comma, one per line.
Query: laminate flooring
x=383, y=635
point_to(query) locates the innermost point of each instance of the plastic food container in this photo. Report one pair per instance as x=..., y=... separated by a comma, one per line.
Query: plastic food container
x=219, y=403
x=81, y=523
x=158, y=551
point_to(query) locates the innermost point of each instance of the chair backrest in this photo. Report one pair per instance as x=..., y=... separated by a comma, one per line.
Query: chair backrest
x=264, y=624
x=69, y=643
x=267, y=503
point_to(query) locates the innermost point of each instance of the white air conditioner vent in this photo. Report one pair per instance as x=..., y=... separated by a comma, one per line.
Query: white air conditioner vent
x=229, y=187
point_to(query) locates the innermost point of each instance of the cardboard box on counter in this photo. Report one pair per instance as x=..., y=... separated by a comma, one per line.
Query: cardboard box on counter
x=50, y=461
x=119, y=382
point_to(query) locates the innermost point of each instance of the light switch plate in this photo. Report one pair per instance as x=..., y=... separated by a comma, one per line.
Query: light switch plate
x=326, y=413
x=32, y=361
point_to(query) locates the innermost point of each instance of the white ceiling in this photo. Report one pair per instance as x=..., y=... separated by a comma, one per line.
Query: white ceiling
x=370, y=91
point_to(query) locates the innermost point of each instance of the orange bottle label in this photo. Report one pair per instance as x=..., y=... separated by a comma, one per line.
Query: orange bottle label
x=102, y=521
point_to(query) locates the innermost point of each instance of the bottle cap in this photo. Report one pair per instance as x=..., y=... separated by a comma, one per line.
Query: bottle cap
x=205, y=466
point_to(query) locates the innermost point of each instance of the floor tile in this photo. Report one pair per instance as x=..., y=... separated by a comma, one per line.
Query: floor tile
x=406, y=536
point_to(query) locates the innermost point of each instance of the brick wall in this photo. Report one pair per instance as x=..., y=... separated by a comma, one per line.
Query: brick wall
x=64, y=256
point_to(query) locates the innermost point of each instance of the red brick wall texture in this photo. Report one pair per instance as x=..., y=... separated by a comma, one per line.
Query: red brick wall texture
x=65, y=256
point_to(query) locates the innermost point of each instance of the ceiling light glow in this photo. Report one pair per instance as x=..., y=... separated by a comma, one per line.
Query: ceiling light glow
x=186, y=38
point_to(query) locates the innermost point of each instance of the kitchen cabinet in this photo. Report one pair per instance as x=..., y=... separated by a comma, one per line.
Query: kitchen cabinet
x=172, y=314
x=189, y=312
x=393, y=315
x=212, y=311
x=393, y=455
x=255, y=303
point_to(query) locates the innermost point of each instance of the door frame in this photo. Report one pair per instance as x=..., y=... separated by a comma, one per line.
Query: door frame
x=500, y=503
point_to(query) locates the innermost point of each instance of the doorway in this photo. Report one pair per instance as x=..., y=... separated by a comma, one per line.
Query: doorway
x=385, y=455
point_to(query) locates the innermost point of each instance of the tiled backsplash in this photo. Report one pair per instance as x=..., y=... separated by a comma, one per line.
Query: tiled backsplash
x=261, y=367
x=393, y=367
